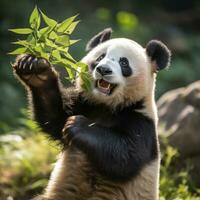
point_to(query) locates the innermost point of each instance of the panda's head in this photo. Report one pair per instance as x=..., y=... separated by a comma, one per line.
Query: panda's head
x=123, y=72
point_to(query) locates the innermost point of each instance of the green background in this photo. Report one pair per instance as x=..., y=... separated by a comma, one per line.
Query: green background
x=175, y=22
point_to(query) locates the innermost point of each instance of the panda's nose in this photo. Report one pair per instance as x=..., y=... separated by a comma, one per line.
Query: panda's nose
x=104, y=70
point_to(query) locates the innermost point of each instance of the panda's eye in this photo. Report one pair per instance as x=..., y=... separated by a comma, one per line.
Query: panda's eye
x=123, y=62
x=100, y=57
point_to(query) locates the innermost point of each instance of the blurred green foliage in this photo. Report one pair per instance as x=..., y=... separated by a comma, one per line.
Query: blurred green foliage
x=127, y=21
x=27, y=159
x=52, y=42
x=175, y=184
x=174, y=22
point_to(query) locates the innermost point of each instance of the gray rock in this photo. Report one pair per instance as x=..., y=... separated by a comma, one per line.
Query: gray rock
x=179, y=120
x=179, y=113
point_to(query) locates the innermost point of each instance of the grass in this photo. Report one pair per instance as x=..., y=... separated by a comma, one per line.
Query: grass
x=175, y=182
x=25, y=164
x=27, y=158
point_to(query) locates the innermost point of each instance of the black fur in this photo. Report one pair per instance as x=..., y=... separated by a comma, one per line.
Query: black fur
x=125, y=67
x=126, y=71
x=99, y=38
x=118, y=143
x=117, y=149
x=158, y=53
x=47, y=98
x=96, y=62
x=48, y=108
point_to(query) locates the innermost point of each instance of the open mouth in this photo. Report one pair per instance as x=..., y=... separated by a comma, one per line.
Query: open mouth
x=105, y=87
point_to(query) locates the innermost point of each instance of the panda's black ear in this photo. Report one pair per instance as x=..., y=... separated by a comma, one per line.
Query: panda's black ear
x=159, y=54
x=99, y=38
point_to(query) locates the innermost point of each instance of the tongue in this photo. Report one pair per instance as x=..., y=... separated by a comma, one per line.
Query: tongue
x=104, y=84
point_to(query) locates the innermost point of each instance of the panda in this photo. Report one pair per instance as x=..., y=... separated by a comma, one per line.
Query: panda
x=109, y=134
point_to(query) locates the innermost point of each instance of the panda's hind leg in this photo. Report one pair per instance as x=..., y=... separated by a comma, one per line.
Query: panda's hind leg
x=71, y=177
x=108, y=190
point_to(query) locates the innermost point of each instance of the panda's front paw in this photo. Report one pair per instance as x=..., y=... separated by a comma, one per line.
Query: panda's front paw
x=73, y=127
x=32, y=70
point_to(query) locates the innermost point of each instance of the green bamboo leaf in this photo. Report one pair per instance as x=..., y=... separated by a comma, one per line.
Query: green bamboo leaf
x=44, y=33
x=45, y=55
x=41, y=51
x=38, y=48
x=63, y=50
x=34, y=19
x=47, y=49
x=21, y=30
x=26, y=44
x=65, y=24
x=50, y=22
x=68, y=56
x=63, y=40
x=71, y=73
x=67, y=64
x=53, y=35
x=38, y=22
x=71, y=28
x=71, y=42
x=56, y=54
x=50, y=43
x=83, y=67
x=87, y=83
x=21, y=42
x=31, y=40
x=44, y=30
x=19, y=51
x=70, y=64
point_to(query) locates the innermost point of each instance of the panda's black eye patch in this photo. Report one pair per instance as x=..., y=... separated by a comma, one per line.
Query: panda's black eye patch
x=96, y=62
x=123, y=61
x=100, y=57
x=125, y=67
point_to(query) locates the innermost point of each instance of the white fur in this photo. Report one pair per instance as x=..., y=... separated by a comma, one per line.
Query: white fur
x=140, y=85
x=65, y=175
x=131, y=89
x=146, y=185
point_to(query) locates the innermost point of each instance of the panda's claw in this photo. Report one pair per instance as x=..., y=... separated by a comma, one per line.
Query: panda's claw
x=21, y=62
x=34, y=71
x=29, y=61
x=31, y=65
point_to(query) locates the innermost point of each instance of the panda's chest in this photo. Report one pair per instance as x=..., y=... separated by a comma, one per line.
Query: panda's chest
x=102, y=117
x=105, y=115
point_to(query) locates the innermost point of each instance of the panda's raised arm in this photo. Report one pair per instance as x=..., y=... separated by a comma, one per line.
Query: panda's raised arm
x=119, y=152
x=46, y=94
x=47, y=105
